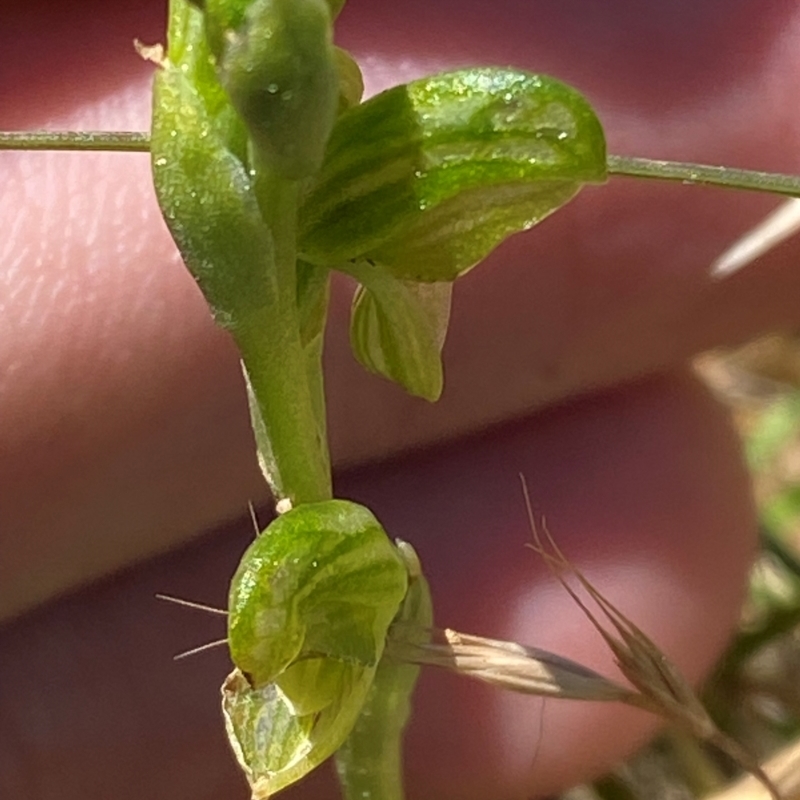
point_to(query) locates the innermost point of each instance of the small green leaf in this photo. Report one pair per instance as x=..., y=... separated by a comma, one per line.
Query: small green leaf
x=397, y=328
x=208, y=202
x=310, y=607
x=188, y=50
x=214, y=199
x=427, y=178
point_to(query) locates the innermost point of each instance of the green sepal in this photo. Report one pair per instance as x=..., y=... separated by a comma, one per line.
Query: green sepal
x=309, y=610
x=397, y=328
x=427, y=178
x=322, y=580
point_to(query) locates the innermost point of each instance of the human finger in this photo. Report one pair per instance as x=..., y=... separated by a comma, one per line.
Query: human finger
x=124, y=424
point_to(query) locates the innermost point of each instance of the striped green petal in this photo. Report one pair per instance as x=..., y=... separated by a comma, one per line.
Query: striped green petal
x=427, y=178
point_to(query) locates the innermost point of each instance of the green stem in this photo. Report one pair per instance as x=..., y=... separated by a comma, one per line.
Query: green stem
x=292, y=447
x=370, y=763
x=124, y=141
x=704, y=175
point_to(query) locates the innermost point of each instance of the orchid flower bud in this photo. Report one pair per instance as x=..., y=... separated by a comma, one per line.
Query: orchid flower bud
x=279, y=67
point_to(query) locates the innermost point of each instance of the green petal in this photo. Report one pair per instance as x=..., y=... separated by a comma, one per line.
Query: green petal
x=429, y=177
x=276, y=745
x=397, y=328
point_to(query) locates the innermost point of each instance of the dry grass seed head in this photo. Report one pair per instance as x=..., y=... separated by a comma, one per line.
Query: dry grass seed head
x=663, y=689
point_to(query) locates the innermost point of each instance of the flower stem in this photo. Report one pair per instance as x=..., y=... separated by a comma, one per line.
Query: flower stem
x=293, y=449
x=705, y=175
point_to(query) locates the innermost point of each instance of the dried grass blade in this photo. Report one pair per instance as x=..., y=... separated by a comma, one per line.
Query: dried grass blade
x=774, y=229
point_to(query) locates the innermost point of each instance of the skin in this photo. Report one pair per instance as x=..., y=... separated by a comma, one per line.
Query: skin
x=124, y=433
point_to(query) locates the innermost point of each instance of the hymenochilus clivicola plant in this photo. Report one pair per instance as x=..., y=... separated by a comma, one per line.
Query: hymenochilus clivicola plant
x=272, y=173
